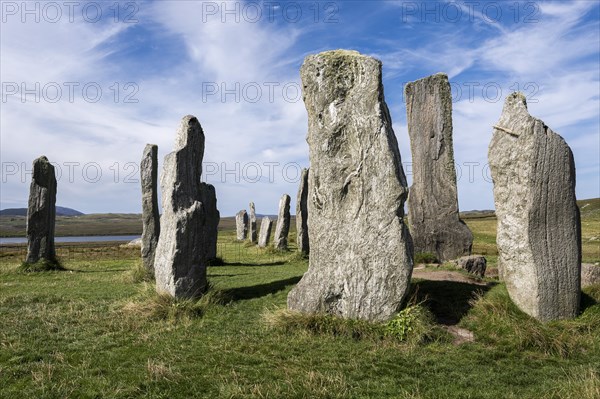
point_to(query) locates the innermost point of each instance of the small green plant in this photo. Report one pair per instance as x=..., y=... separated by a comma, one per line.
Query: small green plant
x=139, y=273
x=425, y=257
x=405, y=323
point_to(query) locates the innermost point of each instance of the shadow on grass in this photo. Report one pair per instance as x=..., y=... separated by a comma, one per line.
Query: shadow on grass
x=587, y=301
x=260, y=290
x=278, y=263
x=449, y=301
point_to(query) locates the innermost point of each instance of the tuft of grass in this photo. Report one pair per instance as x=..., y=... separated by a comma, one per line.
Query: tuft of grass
x=43, y=265
x=138, y=274
x=578, y=383
x=497, y=321
x=412, y=325
x=155, y=306
x=425, y=257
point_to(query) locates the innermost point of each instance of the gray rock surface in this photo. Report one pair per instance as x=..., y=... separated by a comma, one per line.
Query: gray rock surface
x=539, y=230
x=150, y=214
x=208, y=197
x=265, y=232
x=474, y=264
x=252, y=233
x=302, y=214
x=361, y=255
x=280, y=241
x=241, y=225
x=41, y=213
x=590, y=274
x=180, y=264
x=434, y=221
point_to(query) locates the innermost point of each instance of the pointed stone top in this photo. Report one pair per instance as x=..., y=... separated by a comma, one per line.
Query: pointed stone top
x=189, y=132
x=515, y=119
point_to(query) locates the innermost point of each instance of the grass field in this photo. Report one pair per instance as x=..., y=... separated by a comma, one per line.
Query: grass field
x=94, y=332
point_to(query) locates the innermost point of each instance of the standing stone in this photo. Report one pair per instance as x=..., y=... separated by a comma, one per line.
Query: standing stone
x=361, y=256
x=208, y=197
x=252, y=233
x=150, y=215
x=302, y=214
x=241, y=225
x=435, y=225
x=539, y=229
x=41, y=213
x=265, y=232
x=180, y=263
x=283, y=224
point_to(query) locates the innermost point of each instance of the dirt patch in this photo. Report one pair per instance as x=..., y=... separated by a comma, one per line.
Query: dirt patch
x=445, y=275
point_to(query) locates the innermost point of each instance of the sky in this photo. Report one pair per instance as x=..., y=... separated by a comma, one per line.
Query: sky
x=89, y=83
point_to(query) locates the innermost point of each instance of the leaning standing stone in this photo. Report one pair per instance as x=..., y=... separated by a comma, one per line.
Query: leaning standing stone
x=252, y=233
x=41, y=213
x=361, y=253
x=539, y=230
x=435, y=225
x=150, y=215
x=283, y=224
x=241, y=225
x=213, y=216
x=302, y=214
x=265, y=232
x=180, y=262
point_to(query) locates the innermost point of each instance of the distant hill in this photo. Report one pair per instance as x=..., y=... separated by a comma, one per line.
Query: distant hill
x=60, y=211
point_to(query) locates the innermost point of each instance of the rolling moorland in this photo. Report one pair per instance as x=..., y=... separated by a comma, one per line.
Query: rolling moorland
x=99, y=330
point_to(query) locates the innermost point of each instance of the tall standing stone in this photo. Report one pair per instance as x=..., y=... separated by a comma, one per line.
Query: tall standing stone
x=435, y=224
x=213, y=216
x=150, y=215
x=302, y=214
x=241, y=225
x=252, y=233
x=180, y=263
x=280, y=241
x=265, y=232
x=41, y=213
x=361, y=253
x=539, y=229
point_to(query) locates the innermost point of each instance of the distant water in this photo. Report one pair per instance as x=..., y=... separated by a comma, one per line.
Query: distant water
x=23, y=240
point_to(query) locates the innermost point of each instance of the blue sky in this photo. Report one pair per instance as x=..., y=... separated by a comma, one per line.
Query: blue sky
x=90, y=83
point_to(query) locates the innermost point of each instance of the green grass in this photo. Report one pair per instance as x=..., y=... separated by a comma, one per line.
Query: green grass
x=92, y=332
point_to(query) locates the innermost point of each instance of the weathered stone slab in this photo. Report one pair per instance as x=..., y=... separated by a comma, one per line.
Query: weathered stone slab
x=208, y=197
x=435, y=225
x=474, y=264
x=241, y=225
x=539, y=231
x=283, y=224
x=41, y=213
x=179, y=263
x=361, y=255
x=252, y=233
x=150, y=215
x=265, y=232
x=302, y=214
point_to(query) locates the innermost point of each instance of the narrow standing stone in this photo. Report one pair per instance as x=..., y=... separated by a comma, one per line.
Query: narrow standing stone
x=302, y=214
x=283, y=224
x=265, y=232
x=241, y=225
x=213, y=216
x=361, y=254
x=539, y=228
x=252, y=233
x=41, y=213
x=435, y=224
x=150, y=215
x=180, y=263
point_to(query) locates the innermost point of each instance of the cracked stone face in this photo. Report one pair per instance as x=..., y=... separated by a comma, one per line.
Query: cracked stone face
x=241, y=225
x=361, y=252
x=150, y=214
x=539, y=231
x=283, y=224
